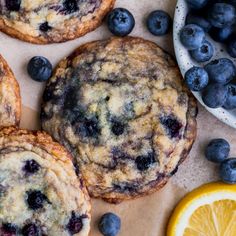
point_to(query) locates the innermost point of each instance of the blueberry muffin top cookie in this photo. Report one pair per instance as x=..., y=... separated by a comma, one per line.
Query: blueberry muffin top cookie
x=10, y=100
x=40, y=194
x=51, y=21
x=120, y=107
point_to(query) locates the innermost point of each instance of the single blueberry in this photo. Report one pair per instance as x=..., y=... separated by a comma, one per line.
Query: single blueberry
x=145, y=161
x=44, y=27
x=39, y=68
x=197, y=4
x=13, y=5
x=221, y=71
x=222, y=15
x=217, y=150
x=109, y=224
x=31, y=229
x=75, y=224
x=31, y=167
x=172, y=126
x=117, y=127
x=204, y=53
x=215, y=95
x=8, y=229
x=192, y=36
x=221, y=34
x=89, y=127
x=198, y=20
x=228, y=171
x=70, y=6
x=120, y=22
x=231, y=46
x=196, y=78
x=35, y=199
x=230, y=102
x=159, y=23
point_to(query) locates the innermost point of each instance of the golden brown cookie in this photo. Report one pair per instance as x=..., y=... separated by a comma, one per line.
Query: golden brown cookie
x=51, y=21
x=40, y=193
x=10, y=100
x=121, y=107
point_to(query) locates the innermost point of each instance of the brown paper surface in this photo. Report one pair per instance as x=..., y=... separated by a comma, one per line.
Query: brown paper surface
x=146, y=216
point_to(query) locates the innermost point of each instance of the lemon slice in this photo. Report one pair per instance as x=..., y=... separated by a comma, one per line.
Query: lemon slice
x=207, y=211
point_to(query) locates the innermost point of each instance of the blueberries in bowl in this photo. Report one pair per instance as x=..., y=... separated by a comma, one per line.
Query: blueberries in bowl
x=192, y=36
x=217, y=150
x=197, y=4
x=39, y=68
x=204, y=53
x=215, y=95
x=196, y=78
x=120, y=22
x=198, y=20
x=221, y=71
x=159, y=22
x=222, y=15
x=228, y=171
x=230, y=102
x=109, y=224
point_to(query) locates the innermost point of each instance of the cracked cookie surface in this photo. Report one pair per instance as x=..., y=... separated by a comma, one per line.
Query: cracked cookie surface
x=51, y=21
x=40, y=193
x=10, y=100
x=121, y=108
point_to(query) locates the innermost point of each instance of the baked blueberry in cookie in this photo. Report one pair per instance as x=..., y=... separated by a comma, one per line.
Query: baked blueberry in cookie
x=40, y=192
x=121, y=108
x=10, y=102
x=51, y=21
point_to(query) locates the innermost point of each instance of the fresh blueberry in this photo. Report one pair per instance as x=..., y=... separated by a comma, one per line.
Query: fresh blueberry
x=197, y=4
x=192, y=36
x=31, y=230
x=204, y=53
x=196, y=78
x=145, y=161
x=215, y=95
x=35, y=199
x=13, y=5
x=70, y=6
x=221, y=34
x=228, y=171
x=39, y=68
x=44, y=27
x=222, y=15
x=217, y=150
x=171, y=125
x=31, y=167
x=230, y=102
x=109, y=224
x=159, y=23
x=231, y=46
x=221, y=71
x=8, y=229
x=75, y=224
x=120, y=22
x=198, y=20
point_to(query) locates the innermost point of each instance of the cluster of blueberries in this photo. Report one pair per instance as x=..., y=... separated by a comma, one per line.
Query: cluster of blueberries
x=218, y=151
x=216, y=79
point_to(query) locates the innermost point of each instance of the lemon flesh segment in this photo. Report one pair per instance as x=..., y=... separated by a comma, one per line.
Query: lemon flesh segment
x=207, y=211
x=217, y=219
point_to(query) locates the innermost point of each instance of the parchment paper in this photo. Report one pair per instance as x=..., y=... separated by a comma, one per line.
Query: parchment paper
x=146, y=216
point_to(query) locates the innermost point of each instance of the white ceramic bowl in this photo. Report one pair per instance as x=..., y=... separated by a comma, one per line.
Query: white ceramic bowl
x=185, y=62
